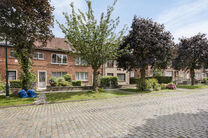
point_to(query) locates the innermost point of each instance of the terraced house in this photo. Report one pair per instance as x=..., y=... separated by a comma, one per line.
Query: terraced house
x=56, y=59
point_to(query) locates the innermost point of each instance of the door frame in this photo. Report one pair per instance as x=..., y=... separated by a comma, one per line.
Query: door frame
x=45, y=78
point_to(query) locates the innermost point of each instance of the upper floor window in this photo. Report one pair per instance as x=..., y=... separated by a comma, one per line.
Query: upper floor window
x=59, y=59
x=12, y=54
x=110, y=64
x=80, y=61
x=38, y=55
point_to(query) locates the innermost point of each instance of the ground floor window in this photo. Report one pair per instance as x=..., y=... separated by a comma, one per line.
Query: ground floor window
x=132, y=74
x=83, y=76
x=182, y=75
x=109, y=74
x=169, y=73
x=12, y=75
x=121, y=77
x=58, y=74
x=198, y=75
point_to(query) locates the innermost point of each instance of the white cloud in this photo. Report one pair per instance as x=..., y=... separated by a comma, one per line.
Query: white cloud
x=184, y=18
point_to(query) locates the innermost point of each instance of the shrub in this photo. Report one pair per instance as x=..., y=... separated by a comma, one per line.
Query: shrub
x=163, y=86
x=148, y=84
x=64, y=83
x=15, y=84
x=109, y=81
x=76, y=83
x=133, y=80
x=162, y=79
x=68, y=77
x=2, y=86
x=171, y=86
x=53, y=81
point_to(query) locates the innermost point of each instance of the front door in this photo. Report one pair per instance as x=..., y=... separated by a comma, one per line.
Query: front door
x=42, y=79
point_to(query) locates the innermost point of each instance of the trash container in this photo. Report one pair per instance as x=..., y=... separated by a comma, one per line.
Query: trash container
x=23, y=94
x=31, y=93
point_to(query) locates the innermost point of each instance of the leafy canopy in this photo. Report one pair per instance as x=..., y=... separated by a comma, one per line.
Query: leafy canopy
x=96, y=41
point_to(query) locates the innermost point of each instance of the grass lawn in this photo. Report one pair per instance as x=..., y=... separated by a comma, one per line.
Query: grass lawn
x=135, y=90
x=14, y=101
x=67, y=96
x=192, y=87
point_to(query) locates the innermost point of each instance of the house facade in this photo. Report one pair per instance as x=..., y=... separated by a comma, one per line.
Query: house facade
x=53, y=60
x=111, y=69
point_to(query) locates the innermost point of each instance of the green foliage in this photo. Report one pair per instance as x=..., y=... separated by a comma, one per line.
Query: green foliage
x=96, y=41
x=163, y=86
x=192, y=87
x=77, y=83
x=133, y=80
x=108, y=81
x=28, y=21
x=157, y=73
x=68, y=77
x=162, y=79
x=53, y=81
x=2, y=86
x=148, y=84
x=64, y=84
x=15, y=84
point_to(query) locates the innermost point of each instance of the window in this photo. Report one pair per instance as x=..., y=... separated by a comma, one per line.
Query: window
x=187, y=75
x=58, y=74
x=198, y=75
x=12, y=55
x=151, y=72
x=83, y=76
x=80, y=61
x=59, y=59
x=181, y=75
x=132, y=74
x=121, y=77
x=38, y=55
x=110, y=64
x=12, y=75
x=169, y=73
x=109, y=74
x=203, y=75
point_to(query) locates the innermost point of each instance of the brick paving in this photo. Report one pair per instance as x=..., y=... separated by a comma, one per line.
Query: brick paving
x=169, y=114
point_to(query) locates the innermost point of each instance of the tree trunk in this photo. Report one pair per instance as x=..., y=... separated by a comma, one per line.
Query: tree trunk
x=95, y=80
x=192, y=76
x=143, y=73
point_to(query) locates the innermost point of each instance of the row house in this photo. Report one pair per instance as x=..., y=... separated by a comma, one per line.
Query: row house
x=55, y=59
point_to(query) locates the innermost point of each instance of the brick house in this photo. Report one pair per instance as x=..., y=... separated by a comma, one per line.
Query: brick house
x=53, y=60
x=110, y=69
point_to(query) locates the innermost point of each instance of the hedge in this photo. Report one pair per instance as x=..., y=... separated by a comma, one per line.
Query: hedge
x=133, y=80
x=109, y=81
x=76, y=83
x=162, y=79
x=15, y=84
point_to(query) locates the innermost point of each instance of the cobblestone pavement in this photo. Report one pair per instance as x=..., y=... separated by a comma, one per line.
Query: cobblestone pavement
x=169, y=114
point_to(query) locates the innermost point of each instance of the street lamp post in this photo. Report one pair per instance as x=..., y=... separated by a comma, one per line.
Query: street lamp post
x=7, y=83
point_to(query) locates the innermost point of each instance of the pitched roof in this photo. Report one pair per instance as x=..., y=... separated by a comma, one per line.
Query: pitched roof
x=55, y=44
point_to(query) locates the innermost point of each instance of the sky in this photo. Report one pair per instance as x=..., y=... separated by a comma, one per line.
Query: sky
x=183, y=18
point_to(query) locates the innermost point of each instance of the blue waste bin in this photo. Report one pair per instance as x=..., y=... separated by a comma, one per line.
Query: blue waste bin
x=23, y=94
x=31, y=93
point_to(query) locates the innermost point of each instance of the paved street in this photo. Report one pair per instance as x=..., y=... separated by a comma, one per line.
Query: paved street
x=169, y=114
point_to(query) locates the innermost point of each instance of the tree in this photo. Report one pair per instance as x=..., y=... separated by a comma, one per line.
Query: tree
x=148, y=44
x=192, y=54
x=95, y=41
x=22, y=23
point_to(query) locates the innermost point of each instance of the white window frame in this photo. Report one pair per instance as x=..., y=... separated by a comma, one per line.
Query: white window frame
x=80, y=62
x=38, y=53
x=58, y=72
x=79, y=78
x=61, y=59
x=167, y=75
